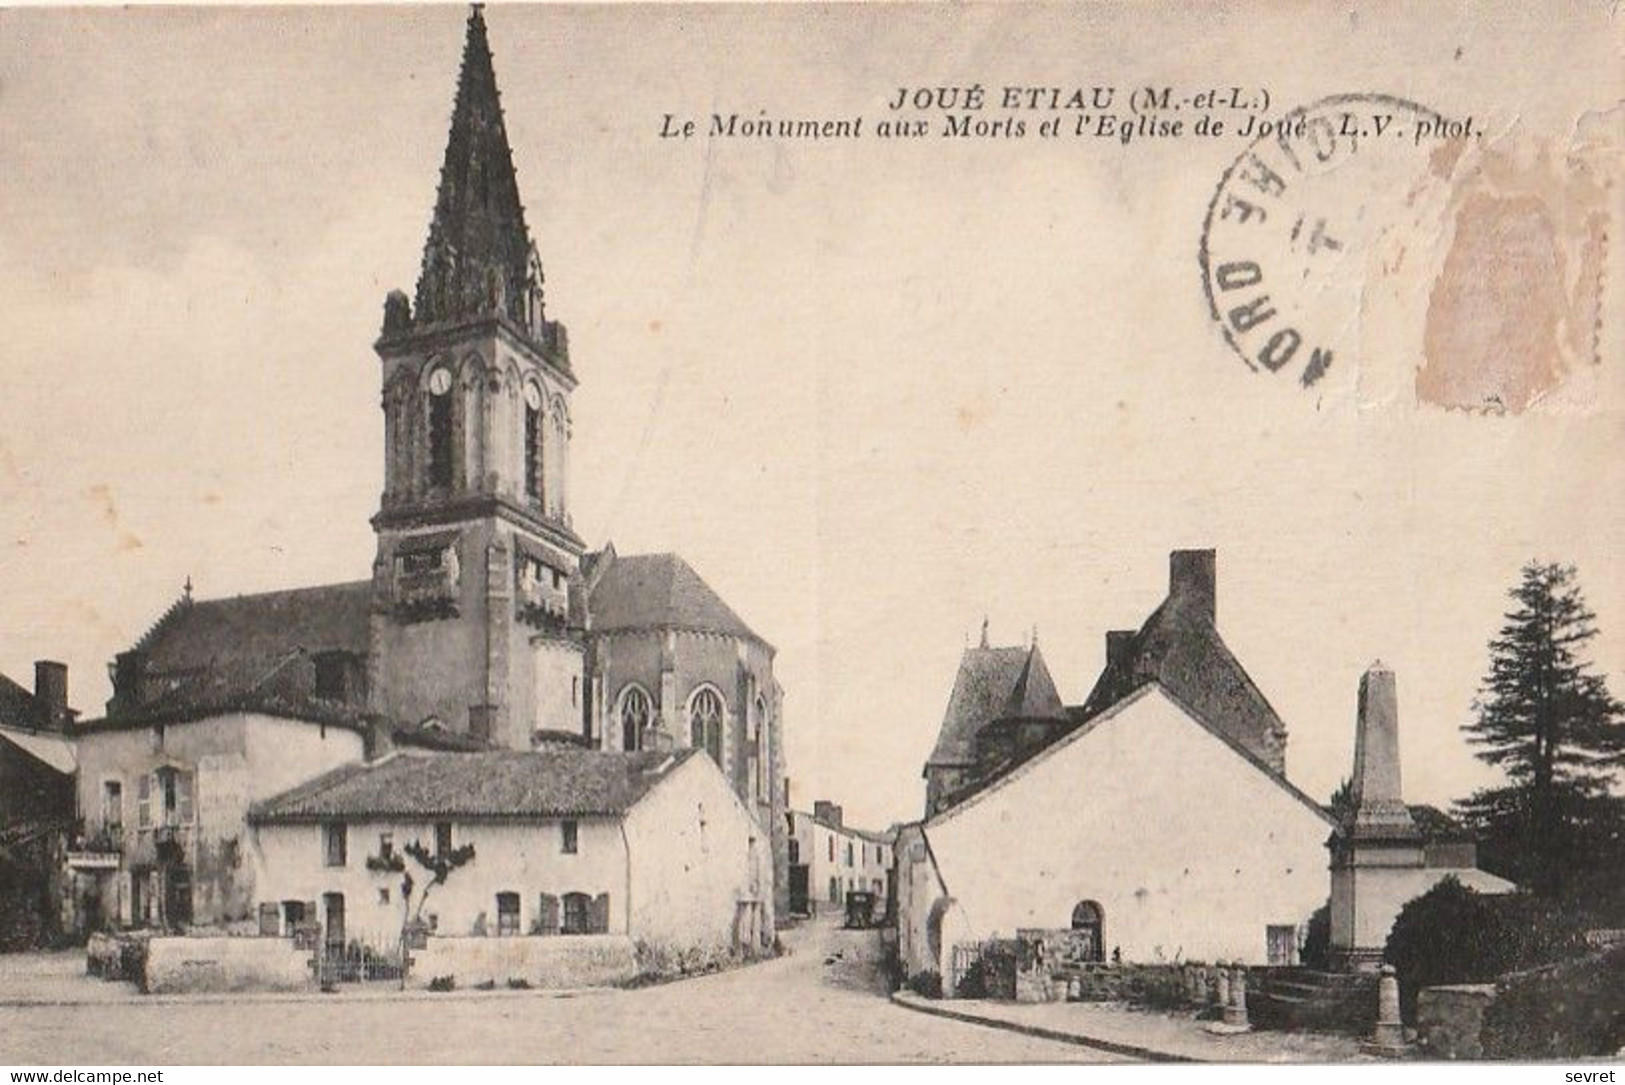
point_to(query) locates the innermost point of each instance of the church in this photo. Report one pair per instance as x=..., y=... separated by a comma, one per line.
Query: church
x=486, y=623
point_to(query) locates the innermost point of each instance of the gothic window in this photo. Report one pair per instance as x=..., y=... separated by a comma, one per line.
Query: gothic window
x=533, y=441
x=705, y=722
x=635, y=712
x=440, y=429
x=763, y=770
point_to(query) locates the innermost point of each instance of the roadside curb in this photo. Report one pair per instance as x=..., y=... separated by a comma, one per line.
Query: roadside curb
x=920, y=1005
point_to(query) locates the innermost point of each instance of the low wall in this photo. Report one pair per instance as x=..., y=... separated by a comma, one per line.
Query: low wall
x=184, y=965
x=578, y=960
x=1450, y=1019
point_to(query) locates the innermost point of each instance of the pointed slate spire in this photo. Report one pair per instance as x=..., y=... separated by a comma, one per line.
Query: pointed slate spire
x=479, y=259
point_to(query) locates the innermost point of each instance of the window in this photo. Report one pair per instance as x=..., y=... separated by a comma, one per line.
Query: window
x=175, y=791
x=762, y=766
x=577, y=914
x=293, y=916
x=533, y=442
x=331, y=684
x=1281, y=943
x=386, y=845
x=507, y=914
x=568, y=837
x=143, y=802
x=795, y=852
x=849, y=853
x=383, y=895
x=442, y=838
x=440, y=462
x=705, y=722
x=335, y=845
x=831, y=847
x=113, y=805
x=635, y=711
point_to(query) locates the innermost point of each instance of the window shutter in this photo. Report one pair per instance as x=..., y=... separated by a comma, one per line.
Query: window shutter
x=547, y=914
x=270, y=920
x=598, y=917
x=143, y=808
x=183, y=796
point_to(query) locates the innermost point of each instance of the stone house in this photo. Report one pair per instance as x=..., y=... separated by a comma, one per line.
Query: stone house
x=653, y=846
x=1153, y=823
x=829, y=859
x=37, y=765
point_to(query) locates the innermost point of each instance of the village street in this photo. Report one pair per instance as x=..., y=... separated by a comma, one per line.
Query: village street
x=798, y=1009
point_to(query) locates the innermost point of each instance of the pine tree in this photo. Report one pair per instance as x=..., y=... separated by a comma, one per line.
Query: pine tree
x=1552, y=727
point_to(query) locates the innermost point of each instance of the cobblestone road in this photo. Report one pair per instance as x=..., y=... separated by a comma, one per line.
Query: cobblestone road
x=823, y=1003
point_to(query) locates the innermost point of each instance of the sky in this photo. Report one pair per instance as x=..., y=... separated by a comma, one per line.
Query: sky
x=873, y=392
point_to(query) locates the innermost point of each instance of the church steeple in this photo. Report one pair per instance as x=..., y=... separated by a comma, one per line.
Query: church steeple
x=479, y=260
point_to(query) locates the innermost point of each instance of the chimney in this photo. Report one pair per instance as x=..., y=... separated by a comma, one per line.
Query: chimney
x=379, y=740
x=129, y=679
x=827, y=812
x=51, y=694
x=1193, y=580
x=1119, y=642
x=1379, y=806
x=481, y=720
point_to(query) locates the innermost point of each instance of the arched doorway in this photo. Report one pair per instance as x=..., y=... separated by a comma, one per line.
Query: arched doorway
x=1088, y=930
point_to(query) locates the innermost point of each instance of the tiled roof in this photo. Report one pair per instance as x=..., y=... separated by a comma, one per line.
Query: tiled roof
x=17, y=705
x=986, y=680
x=657, y=591
x=53, y=750
x=249, y=651
x=555, y=781
x=1034, y=696
x=1179, y=648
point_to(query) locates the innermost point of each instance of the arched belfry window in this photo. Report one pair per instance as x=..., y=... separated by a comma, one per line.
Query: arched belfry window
x=440, y=427
x=533, y=441
x=635, y=713
x=705, y=722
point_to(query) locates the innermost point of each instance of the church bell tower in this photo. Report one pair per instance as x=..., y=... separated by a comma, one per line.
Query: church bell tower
x=471, y=624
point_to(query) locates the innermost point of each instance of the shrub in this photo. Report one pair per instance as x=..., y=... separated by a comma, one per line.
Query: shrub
x=1317, y=940
x=443, y=983
x=1571, y=1010
x=518, y=983
x=1452, y=934
x=1158, y=987
x=927, y=983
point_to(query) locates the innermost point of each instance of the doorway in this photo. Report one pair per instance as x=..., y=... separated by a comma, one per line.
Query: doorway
x=1088, y=931
x=333, y=919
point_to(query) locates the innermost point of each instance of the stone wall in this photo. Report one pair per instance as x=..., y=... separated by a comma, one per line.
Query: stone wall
x=1450, y=1019
x=187, y=965
x=588, y=960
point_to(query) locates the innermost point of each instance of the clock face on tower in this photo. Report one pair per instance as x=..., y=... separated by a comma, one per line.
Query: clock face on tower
x=533, y=397
x=440, y=381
